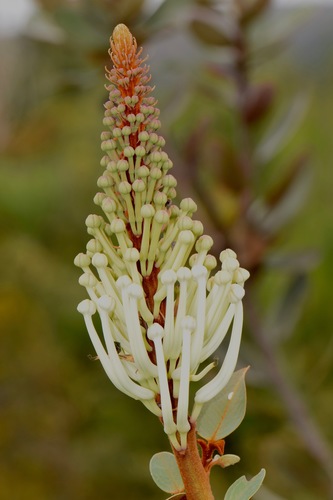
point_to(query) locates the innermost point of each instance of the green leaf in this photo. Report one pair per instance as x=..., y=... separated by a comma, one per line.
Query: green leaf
x=213, y=27
x=297, y=262
x=291, y=201
x=165, y=13
x=286, y=310
x=223, y=414
x=164, y=471
x=294, y=169
x=250, y=10
x=279, y=135
x=243, y=489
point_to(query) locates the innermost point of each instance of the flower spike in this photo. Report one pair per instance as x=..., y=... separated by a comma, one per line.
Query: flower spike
x=161, y=315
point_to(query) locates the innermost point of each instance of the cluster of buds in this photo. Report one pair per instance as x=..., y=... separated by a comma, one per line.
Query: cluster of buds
x=147, y=267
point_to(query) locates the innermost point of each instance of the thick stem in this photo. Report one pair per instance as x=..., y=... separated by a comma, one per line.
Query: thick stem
x=195, y=478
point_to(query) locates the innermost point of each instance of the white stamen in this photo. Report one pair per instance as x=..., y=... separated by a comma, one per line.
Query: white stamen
x=160, y=219
x=209, y=391
x=218, y=301
x=92, y=285
x=200, y=275
x=180, y=251
x=183, y=425
x=138, y=347
x=216, y=339
x=100, y=262
x=155, y=333
x=114, y=368
x=200, y=375
x=184, y=275
x=147, y=213
x=168, y=279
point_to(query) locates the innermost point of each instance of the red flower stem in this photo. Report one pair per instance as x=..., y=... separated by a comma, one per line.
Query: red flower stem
x=195, y=478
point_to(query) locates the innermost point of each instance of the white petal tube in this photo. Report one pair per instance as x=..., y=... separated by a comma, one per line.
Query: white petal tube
x=155, y=333
x=112, y=365
x=212, y=388
x=200, y=275
x=216, y=339
x=168, y=279
x=219, y=306
x=183, y=274
x=138, y=347
x=183, y=425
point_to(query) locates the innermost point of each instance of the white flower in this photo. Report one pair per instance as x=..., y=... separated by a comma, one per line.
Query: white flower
x=157, y=356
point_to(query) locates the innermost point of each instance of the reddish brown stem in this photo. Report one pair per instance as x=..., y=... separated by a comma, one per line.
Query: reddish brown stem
x=195, y=478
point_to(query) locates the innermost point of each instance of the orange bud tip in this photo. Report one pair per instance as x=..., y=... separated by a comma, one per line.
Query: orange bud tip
x=122, y=37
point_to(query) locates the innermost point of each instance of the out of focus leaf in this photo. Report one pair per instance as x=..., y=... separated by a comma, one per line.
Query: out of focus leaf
x=243, y=489
x=282, y=132
x=43, y=28
x=214, y=28
x=251, y=9
x=164, y=471
x=256, y=102
x=294, y=262
x=266, y=494
x=272, y=220
x=223, y=414
x=225, y=202
x=296, y=168
x=80, y=31
x=124, y=11
x=276, y=33
x=207, y=33
x=168, y=12
x=286, y=313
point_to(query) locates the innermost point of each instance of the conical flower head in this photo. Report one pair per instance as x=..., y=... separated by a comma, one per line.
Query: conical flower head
x=147, y=267
x=128, y=73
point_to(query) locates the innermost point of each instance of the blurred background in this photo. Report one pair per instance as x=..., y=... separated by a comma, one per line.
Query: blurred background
x=245, y=91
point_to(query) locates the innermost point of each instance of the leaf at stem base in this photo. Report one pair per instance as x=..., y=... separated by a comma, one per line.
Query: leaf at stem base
x=164, y=471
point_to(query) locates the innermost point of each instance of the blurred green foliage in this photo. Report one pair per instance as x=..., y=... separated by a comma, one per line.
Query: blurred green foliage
x=65, y=432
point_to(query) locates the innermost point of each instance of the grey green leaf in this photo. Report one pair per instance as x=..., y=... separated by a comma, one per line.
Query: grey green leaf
x=223, y=414
x=226, y=460
x=242, y=489
x=164, y=471
x=281, y=133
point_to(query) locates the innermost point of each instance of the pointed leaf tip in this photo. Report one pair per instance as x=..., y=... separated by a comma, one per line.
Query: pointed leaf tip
x=242, y=489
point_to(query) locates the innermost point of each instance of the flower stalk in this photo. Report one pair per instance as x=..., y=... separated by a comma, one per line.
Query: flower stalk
x=194, y=475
